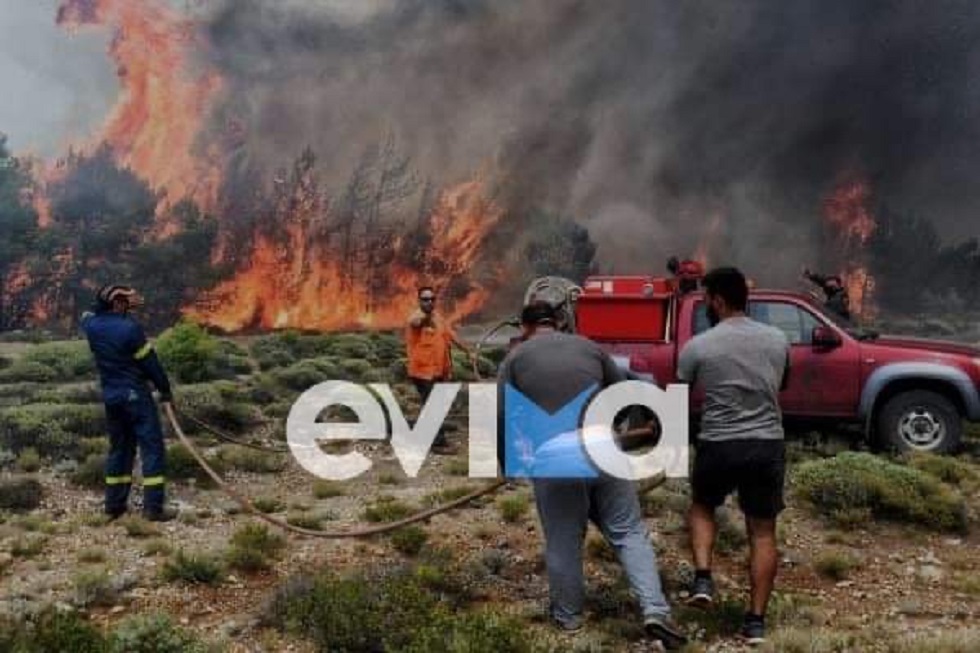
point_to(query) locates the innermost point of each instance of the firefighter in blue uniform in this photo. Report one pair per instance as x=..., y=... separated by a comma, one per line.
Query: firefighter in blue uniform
x=126, y=362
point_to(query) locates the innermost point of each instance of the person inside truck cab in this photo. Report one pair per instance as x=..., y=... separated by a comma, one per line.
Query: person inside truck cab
x=741, y=365
x=836, y=299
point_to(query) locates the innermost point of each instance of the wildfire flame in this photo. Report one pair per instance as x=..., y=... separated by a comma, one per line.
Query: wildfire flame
x=300, y=283
x=155, y=125
x=847, y=210
x=707, y=241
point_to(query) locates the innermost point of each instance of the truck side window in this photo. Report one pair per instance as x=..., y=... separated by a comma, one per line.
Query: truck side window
x=701, y=323
x=796, y=323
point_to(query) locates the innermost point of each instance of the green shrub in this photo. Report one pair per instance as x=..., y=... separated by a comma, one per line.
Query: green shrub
x=253, y=547
x=446, y=495
x=251, y=460
x=305, y=374
x=886, y=490
x=69, y=360
x=90, y=446
x=157, y=547
x=283, y=349
x=20, y=494
x=197, y=568
x=188, y=352
x=29, y=461
x=181, y=465
x=268, y=504
x=351, y=346
x=30, y=546
x=52, y=630
x=324, y=489
x=955, y=471
x=139, y=528
x=94, y=588
x=308, y=520
x=271, y=352
x=387, y=509
x=25, y=371
x=217, y=404
x=153, y=634
x=357, y=369
x=458, y=467
x=91, y=472
x=962, y=641
x=513, y=508
x=91, y=555
x=835, y=565
x=409, y=540
x=809, y=640
x=77, y=393
x=481, y=632
x=731, y=536
x=358, y=613
x=53, y=430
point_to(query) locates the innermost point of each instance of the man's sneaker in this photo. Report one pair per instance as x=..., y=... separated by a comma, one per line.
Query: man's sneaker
x=165, y=515
x=702, y=593
x=753, y=631
x=664, y=630
x=568, y=625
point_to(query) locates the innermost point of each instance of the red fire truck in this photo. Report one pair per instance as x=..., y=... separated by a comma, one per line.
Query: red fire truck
x=900, y=393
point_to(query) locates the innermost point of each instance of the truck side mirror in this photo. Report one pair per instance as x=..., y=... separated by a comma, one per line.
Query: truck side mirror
x=825, y=338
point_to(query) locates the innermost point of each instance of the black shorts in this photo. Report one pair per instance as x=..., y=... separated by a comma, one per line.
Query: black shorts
x=756, y=468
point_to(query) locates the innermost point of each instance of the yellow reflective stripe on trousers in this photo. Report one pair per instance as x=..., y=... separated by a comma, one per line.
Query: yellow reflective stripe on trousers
x=143, y=352
x=118, y=480
x=151, y=481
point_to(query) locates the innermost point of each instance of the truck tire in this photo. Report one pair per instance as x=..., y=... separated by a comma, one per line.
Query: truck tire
x=919, y=420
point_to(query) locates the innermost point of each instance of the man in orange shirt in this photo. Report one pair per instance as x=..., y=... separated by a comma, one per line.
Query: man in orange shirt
x=429, y=340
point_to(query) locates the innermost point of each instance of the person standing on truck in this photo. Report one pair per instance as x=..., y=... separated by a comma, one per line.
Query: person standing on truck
x=428, y=341
x=741, y=365
x=126, y=364
x=836, y=298
x=552, y=369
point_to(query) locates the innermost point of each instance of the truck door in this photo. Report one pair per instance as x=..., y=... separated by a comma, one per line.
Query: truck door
x=823, y=382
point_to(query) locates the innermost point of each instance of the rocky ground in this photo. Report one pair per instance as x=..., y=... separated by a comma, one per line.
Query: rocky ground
x=849, y=581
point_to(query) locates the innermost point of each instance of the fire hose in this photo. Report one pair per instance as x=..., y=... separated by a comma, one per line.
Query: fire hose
x=333, y=535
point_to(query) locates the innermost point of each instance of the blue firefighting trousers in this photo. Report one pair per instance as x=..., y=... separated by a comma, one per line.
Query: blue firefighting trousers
x=130, y=424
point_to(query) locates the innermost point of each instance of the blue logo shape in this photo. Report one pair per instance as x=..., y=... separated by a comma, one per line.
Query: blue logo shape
x=542, y=445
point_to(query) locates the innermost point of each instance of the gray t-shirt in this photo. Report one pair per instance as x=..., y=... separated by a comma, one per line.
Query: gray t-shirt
x=741, y=365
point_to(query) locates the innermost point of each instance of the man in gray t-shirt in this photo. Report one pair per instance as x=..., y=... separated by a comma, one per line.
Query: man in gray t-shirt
x=741, y=365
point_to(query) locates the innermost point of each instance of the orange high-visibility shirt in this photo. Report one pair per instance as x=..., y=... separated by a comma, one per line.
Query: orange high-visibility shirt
x=428, y=351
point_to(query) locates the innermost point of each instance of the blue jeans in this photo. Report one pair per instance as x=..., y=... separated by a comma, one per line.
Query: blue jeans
x=565, y=507
x=131, y=424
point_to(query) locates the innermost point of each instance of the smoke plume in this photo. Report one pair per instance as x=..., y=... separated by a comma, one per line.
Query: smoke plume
x=646, y=120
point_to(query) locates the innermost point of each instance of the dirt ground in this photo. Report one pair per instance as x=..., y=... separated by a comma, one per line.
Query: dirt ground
x=901, y=580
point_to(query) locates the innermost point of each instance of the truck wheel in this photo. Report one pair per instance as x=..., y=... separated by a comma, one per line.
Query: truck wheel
x=920, y=420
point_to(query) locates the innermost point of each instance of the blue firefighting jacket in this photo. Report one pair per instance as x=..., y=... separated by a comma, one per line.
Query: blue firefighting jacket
x=126, y=361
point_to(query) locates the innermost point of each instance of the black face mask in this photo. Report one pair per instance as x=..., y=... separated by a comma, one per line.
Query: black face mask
x=713, y=317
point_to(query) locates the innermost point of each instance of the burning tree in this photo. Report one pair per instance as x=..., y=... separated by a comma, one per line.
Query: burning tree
x=18, y=223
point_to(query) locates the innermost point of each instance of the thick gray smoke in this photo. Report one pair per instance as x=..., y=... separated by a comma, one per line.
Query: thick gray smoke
x=56, y=88
x=646, y=120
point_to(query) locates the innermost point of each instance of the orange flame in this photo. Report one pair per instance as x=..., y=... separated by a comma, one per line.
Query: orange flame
x=708, y=240
x=300, y=283
x=848, y=211
x=160, y=114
